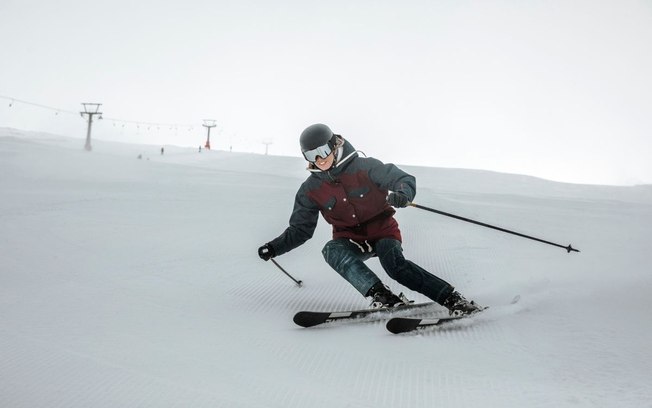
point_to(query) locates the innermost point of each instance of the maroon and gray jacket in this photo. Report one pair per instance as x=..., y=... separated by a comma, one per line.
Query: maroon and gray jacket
x=351, y=197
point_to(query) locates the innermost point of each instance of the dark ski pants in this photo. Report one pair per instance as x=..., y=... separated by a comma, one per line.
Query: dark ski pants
x=348, y=257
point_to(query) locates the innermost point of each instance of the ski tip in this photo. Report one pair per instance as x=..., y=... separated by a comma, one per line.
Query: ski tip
x=402, y=324
x=309, y=319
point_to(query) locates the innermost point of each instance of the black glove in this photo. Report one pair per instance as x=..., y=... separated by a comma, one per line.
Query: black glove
x=266, y=252
x=398, y=200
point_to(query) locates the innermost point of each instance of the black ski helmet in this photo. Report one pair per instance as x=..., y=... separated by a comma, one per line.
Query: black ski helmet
x=315, y=136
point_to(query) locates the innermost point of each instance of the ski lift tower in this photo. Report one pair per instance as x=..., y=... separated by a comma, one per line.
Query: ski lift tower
x=267, y=142
x=208, y=124
x=90, y=110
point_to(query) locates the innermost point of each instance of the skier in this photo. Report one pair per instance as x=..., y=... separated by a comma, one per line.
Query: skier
x=356, y=195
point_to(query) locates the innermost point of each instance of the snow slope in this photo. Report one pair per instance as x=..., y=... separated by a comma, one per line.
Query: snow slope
x=135, y=283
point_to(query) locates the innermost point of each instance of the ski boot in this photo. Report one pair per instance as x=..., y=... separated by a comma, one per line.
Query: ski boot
x=383, y=297
x=458, y=305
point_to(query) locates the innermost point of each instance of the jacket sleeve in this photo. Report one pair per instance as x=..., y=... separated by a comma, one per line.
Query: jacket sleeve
x=389, y=177
x=303, y=222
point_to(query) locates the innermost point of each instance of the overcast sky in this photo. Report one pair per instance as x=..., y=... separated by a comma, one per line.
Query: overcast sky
x=555, y=89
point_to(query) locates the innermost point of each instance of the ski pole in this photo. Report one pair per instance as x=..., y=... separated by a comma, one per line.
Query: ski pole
x=568, y=248
x=298, y=282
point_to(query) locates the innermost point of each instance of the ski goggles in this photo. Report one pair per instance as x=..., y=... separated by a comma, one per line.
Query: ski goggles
x=321, y=151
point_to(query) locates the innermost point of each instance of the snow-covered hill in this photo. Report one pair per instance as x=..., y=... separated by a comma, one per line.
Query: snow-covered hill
x=135, y=283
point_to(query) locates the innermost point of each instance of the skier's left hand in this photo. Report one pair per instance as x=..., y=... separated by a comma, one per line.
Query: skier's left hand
x=397, y=200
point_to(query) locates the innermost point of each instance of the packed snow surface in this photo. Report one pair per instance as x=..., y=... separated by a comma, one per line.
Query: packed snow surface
x=129, y=282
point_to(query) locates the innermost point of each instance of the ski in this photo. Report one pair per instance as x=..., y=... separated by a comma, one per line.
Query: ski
x=310, y=319
x=399, y=325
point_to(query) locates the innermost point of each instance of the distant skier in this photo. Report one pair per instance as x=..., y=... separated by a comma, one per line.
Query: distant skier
x=355, y=195
x=162, y=151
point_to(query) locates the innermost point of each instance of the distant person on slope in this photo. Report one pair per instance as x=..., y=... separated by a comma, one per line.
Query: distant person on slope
x=356, y=195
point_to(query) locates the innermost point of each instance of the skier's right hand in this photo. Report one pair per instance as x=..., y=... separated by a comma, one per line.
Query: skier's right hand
x=266, y=252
